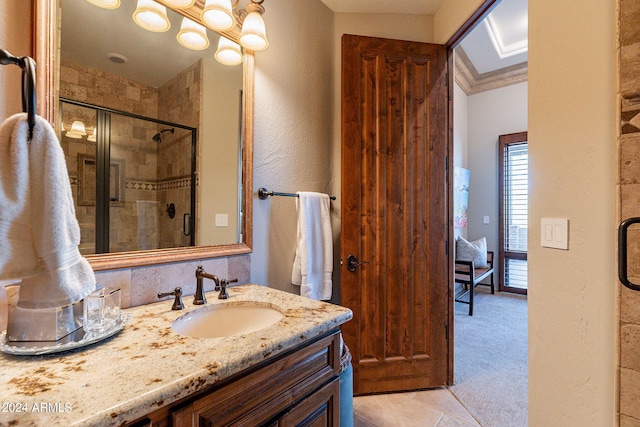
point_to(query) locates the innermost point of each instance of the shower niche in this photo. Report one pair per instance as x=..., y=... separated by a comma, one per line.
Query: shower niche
x=133, y=179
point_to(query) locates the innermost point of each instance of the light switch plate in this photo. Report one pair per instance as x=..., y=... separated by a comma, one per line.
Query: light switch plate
x=222, y=220
x=485, y=220
x=554, y=233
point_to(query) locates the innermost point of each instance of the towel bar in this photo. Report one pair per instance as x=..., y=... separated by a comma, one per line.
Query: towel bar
x=263, y=194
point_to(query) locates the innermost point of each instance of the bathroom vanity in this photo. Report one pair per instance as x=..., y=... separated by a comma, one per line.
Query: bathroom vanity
x=148, y=375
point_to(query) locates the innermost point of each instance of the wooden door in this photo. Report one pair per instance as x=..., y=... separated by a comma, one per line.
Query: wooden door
x=394, y=213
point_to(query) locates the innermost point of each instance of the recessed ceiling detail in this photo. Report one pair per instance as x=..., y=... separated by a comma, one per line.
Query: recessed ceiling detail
x=503, y=49
x=501, y=40
x=472, y=82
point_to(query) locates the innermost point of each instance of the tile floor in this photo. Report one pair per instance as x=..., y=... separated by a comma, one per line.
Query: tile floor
x=437, y=407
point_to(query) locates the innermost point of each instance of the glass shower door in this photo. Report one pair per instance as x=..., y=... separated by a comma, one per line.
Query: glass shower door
x=78, y=141
x=132, y=180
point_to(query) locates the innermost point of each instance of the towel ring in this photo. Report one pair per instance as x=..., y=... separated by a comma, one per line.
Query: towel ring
x=28, y=66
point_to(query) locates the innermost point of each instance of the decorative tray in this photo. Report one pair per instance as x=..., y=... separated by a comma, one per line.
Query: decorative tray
x=74, y=340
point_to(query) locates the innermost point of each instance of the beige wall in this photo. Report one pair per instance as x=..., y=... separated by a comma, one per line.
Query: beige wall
x=491, y=114
x=293, y=115
x=450, y=17
x=218, y=168
x=15, y=37
x=572, y=136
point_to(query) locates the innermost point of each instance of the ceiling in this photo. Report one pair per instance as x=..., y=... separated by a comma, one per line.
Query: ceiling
x=410, y=7
x=509, y=22
x=90, y=35
x=82, y=22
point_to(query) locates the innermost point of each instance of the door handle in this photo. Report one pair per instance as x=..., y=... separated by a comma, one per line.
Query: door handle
x=186, y=224
x=352, y=263
x=622, y=253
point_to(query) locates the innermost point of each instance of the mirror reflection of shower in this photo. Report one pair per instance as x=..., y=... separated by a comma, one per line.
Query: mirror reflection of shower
x=125, y=169
x=158, y=136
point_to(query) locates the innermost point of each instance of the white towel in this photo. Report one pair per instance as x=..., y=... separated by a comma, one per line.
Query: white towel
x=39, y=232
x=313, y=263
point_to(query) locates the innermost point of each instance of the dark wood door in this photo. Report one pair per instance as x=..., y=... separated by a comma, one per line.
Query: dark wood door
x=394, y=212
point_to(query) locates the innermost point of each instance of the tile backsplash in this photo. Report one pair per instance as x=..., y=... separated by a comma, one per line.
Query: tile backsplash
x=140, y=285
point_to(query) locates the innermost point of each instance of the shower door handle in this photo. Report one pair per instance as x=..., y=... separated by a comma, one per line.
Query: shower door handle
x=186, y=224
x=622, y=253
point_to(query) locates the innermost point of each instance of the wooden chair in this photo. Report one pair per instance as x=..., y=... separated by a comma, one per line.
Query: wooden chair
x=469, y=277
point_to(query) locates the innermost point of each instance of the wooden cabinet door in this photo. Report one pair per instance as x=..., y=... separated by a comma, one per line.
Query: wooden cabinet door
x=321, y=409
x=394, y=213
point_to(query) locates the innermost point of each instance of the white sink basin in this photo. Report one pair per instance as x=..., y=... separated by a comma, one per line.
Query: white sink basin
x=225, y=320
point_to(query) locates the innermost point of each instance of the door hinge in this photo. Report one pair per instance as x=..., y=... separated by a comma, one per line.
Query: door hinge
x=446, y=247
x=446, y=331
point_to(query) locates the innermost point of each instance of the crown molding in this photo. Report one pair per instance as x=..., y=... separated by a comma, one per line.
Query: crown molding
x=471, y=82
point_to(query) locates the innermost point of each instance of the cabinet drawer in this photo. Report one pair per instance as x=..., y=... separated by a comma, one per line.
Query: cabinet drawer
x=259, y=395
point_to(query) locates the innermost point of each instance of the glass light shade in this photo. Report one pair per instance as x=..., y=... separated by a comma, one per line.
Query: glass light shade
x=74, y=135
x=229, y=52
x=218, y=15
x=192, y=35
x=105, y=4
x=92, y=137
x=254, y=33
x=151, y=16
x=78, y=127
x=180, y=4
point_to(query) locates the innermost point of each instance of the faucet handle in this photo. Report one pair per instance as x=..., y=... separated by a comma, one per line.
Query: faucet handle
x=223, y=288
x=177, y=302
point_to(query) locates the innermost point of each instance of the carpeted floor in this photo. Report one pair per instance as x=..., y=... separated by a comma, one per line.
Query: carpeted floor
x=491, y=359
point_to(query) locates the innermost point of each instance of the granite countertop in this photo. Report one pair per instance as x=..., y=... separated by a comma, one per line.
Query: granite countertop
x=147, y=366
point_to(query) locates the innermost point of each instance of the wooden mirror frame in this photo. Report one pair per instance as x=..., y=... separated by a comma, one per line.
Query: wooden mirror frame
x=45, y=27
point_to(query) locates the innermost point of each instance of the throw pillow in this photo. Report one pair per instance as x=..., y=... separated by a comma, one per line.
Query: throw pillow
x=475, y=251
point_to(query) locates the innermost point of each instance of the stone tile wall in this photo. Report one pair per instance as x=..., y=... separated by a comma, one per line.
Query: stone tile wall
x=155, y=173
x=100, y=88
x=629, y=190
x=133, y=218
x=179, y=102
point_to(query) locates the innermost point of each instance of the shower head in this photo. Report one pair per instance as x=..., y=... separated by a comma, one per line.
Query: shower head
x=158, y=136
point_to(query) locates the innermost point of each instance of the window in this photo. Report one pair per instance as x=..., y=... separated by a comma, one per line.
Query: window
x=514, y=199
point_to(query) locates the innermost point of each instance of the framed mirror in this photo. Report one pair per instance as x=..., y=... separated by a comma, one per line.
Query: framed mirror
x=46, y=39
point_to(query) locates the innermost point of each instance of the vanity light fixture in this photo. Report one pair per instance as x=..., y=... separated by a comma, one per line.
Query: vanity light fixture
x=92, y=136
x=192, y=35
x=254, y=35
x=105, y=4
x=180, y=4
x=218, y=15
x=151, y=16
x=229, y=52
x=77, y=130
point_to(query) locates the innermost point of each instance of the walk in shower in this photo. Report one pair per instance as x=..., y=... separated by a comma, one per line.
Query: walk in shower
x=133, y=178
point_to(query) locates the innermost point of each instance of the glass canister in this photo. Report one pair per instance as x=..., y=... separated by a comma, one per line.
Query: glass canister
x=101, y=310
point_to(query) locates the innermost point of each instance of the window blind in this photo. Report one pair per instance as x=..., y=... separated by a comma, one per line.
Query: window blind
x=516, y=196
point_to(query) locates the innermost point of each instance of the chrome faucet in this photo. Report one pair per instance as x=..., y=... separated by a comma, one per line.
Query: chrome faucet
x=199, y=298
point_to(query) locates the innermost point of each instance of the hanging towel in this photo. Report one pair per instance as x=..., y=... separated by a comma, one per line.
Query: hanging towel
x=39, y=232
x=313, y=264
